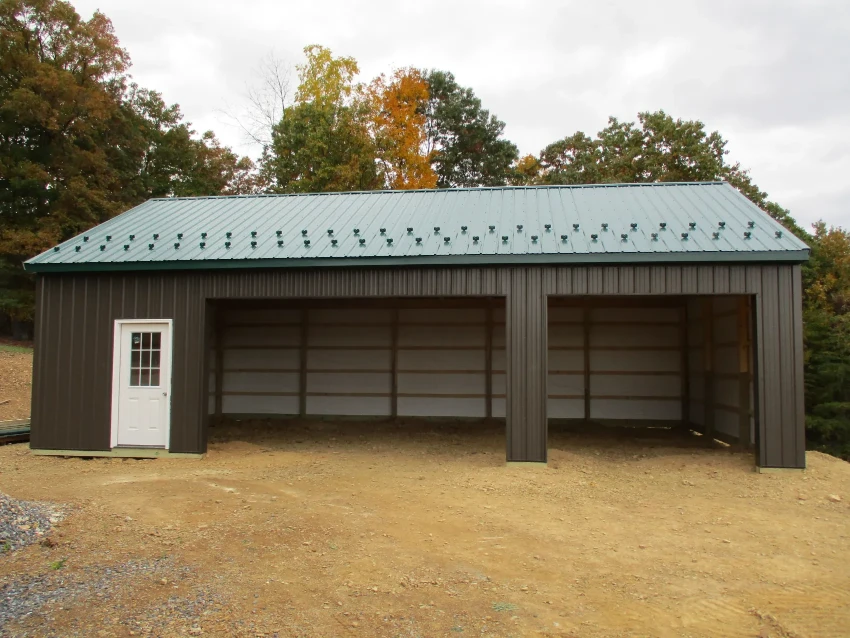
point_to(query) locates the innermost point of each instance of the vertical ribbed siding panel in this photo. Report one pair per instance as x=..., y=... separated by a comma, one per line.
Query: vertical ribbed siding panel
x=38, y=366
x=643, y=281
x=658, y=279
x=771, y=371
x=627, y=280
x=610, y=280
x=720, y=280
x=527, y=350
x=579, y=281
x=690, y=280
x=799, y=383
x=738, y=279
x=787, y=357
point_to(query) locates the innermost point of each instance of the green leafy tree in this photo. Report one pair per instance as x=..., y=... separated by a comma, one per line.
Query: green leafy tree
x=656, y=148
x=826, y=314
x=323, y=141
x=463, y=139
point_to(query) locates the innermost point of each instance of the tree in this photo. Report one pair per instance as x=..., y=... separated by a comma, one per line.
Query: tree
x=323, y=141
x=463, y=140
x=60, y=82
x=317, y=149
x=655, y=149
x=325, y=81
x=397, y=121
x=826, y=315
x=266, y=99
x=77, y=144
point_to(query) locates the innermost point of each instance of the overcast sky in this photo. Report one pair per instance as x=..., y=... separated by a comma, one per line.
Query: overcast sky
x=772, y=76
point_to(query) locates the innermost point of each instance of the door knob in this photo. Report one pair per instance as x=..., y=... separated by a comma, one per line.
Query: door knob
x=165, y=394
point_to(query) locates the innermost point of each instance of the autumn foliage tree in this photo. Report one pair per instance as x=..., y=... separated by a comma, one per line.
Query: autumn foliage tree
x=78, y=143
x=397, y=121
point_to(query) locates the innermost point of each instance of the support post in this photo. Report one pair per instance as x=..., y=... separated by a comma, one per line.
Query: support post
x=708, y=356
x=744, y=342
x=684, y=366
x=394, y=366
x=302, y=366
x=218, y=366
x=526, y=344
x=488, y=361
x=585, y=324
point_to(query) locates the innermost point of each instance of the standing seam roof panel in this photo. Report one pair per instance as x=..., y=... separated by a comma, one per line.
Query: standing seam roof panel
x=647, y=205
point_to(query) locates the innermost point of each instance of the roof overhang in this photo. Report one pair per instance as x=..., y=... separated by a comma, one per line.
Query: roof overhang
x=586, y=259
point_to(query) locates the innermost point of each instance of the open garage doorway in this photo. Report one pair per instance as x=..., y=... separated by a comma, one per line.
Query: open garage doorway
x=658, y=362
x=368, y=359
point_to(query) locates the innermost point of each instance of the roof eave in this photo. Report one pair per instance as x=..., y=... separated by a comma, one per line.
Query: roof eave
x=785, y=256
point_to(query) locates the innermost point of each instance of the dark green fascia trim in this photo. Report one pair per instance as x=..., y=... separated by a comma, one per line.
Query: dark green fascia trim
x=785, y=256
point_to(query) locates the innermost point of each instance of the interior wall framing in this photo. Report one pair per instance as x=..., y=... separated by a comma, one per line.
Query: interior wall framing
x=361, y=358
x=721, y=364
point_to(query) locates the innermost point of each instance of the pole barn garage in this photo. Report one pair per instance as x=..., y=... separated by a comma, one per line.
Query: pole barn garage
x=637, y=304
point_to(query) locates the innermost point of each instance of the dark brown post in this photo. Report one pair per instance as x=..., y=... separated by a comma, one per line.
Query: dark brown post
x=394, y=365
x=585, y=319
x=488, y=361
x=526, y=346
x=684, y=366
x=302, y=368
x=744, y=372
x=708, y=395
x=218, y=340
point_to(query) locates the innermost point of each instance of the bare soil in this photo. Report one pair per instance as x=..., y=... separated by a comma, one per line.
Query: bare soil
x=411, y=529
x=15, y=383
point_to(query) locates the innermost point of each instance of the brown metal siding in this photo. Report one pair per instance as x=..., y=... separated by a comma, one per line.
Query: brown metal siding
x=527, y=350
x=76, y=314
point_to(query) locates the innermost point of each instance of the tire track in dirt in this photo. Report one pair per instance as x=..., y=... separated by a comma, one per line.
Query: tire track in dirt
x=820, y=610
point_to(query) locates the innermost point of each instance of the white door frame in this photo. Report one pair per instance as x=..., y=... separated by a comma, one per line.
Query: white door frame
x=116, y=373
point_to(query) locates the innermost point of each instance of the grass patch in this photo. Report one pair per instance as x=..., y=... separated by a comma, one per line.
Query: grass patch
x=504, y=607
x=59, y=564
x=6, y=347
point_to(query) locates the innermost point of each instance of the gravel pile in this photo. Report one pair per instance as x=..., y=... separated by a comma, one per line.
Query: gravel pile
x=25, y=522
x=40, y=596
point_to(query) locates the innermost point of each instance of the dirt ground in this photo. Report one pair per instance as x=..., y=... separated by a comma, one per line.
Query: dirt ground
x=15, y=382
x=353, y=529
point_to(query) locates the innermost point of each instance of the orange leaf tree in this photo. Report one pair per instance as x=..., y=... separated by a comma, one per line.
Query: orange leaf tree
x=397, y=118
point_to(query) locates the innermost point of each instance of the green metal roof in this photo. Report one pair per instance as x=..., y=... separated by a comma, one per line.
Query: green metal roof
x=619, y=223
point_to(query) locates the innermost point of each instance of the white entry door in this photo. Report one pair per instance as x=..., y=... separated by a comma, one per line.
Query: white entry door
x=143, y=385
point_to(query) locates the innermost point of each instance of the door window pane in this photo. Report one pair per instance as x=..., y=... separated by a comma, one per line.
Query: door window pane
x=145, y=356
